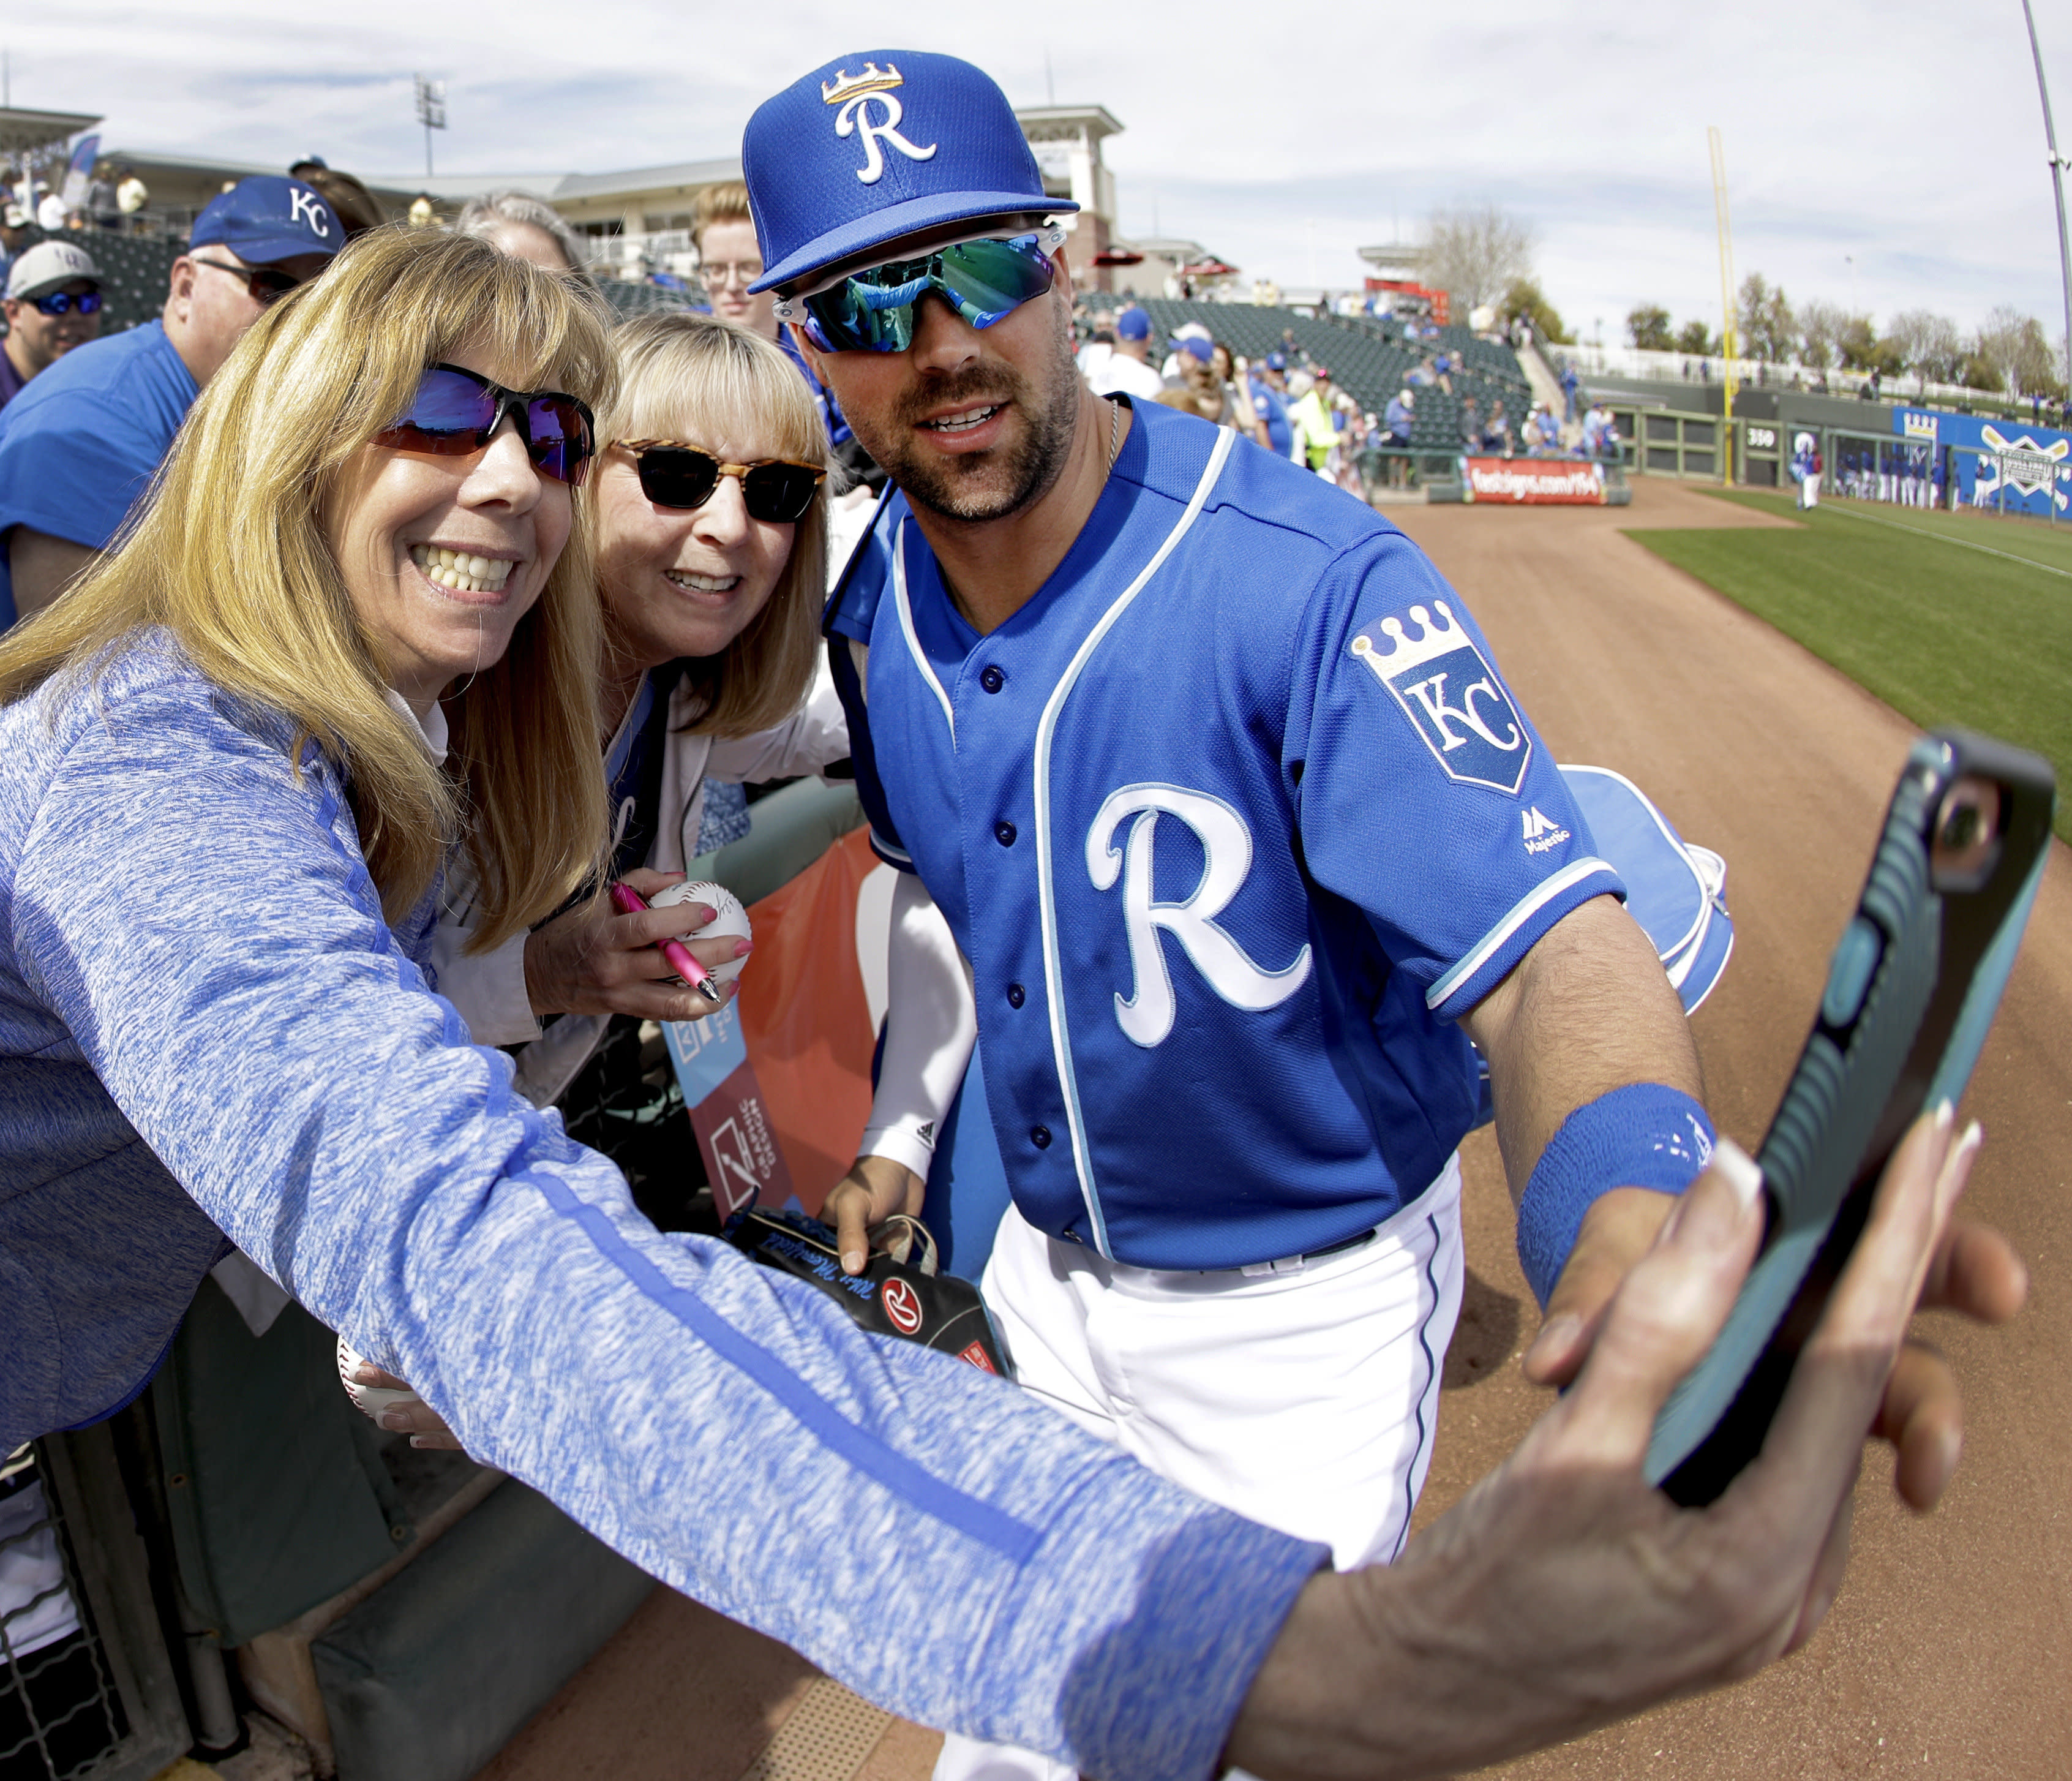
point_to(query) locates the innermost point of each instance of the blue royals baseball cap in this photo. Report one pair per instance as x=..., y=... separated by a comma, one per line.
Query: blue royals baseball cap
x=267, y=218
x=879, y=145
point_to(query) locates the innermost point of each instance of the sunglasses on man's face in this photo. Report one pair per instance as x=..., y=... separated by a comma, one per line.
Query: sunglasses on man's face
x=264, y=284
x=672, y=474
x=874, y=311
x=457, y=413
x=61, y=302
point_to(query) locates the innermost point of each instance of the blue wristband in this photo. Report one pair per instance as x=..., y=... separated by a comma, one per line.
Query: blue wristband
x=1644, y=1135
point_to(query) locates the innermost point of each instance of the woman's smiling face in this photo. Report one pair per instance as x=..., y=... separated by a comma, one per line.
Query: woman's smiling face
x=441, y=557
x=684, y=583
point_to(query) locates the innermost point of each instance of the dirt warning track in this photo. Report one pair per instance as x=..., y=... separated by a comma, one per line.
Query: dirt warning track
x=1950, y=1648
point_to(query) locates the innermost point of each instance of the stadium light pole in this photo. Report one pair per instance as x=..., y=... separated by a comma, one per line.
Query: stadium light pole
x=2058, y=186
x=431, y=113
x=1726, y=293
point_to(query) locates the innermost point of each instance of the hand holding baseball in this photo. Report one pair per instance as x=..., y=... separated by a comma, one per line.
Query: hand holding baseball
x=594, y=961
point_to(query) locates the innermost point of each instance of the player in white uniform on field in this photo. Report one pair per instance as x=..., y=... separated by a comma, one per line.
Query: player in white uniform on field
x=1232, y=818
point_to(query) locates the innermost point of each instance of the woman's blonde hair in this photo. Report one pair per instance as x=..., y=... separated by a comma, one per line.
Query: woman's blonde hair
x=688, y=377
x=229, y=552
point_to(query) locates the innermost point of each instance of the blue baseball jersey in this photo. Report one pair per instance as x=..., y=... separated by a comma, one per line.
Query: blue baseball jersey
x=82, y=443
x=1232, y=819
x=1271, y=406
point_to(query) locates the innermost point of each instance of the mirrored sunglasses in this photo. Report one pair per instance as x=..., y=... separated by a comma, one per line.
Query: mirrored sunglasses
x=672, y=474
x=873, y=311
x=61, y=302
x=457, y=412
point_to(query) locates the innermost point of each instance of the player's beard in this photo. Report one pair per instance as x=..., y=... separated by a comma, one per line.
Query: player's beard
x=985, y=485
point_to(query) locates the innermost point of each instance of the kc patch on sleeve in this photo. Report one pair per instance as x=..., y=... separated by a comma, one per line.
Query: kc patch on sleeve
x=1451, y=695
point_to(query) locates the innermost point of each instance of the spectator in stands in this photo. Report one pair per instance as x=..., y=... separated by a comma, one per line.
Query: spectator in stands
x=1127, y=370
x=1320, y=422
x=131, y=195
x=1186, y=332
x=53, y=304
x=350, y=202
x=1600, y=437
x=1237, y=395
x=52, y=214
x=1095, y=353
x=1570, y=384
x=1496, y=430
x=13, y=237
x=1471, y=424
x=1398, y=418
x=1543, y=432
x=730, y=260
x=83, y=442
x=1197, y=390
x=526, y=227
x=1267, y=389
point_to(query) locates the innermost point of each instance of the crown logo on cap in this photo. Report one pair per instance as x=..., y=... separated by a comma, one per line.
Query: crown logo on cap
x=845, y=87
x=1438, y=636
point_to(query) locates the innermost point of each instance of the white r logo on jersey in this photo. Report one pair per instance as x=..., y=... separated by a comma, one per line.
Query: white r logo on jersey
x=1146, y=1016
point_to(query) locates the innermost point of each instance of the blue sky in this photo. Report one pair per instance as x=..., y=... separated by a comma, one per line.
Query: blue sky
x=1903, y=135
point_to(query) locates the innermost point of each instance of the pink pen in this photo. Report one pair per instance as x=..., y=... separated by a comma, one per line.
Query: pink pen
x=629, y=902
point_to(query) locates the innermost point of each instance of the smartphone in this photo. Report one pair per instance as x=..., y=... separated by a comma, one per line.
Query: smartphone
x=1911, y=990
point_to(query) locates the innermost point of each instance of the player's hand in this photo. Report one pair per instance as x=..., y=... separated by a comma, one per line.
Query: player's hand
x=594, y=961
x=1977, y=1273
x=863, y=1199
x=426, y=1427
x=1591, y=1595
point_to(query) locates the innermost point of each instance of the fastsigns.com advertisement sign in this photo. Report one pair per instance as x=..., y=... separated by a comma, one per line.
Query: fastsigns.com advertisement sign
x=1550, y=482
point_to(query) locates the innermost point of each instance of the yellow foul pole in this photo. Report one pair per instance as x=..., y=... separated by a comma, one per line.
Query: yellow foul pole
x=1726, y=295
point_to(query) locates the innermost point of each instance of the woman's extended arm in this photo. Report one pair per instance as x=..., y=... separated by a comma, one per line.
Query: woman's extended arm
x=248, y=1011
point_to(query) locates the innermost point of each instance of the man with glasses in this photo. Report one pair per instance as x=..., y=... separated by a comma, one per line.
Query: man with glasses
x=1220, y=792
x=83, y=441
x=53, y=304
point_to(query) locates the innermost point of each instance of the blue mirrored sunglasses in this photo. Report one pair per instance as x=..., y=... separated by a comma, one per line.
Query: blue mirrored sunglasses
x=874, y=311
x=59, y=303
x=457, y=413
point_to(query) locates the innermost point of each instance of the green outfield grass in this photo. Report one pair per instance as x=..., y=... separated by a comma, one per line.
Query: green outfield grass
x=1949, y=618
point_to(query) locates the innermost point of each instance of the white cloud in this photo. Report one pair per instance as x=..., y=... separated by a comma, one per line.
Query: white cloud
x=1905, y=133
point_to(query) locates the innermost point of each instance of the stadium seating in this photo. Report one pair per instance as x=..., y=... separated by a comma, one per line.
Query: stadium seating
x=1366, y=356
x=628, y=299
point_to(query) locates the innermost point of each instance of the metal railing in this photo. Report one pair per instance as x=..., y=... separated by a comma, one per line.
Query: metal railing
x=86, y=1693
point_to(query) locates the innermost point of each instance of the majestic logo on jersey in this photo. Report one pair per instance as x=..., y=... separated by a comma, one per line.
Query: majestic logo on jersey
x=1542, y=832
x=1451, y=696
x=1146, y=1016
x=856, y=94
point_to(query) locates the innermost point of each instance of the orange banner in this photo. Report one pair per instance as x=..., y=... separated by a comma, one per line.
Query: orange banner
x=806, y=1019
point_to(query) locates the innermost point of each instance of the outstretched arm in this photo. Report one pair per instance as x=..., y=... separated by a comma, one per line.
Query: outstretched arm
x=1562, y=1593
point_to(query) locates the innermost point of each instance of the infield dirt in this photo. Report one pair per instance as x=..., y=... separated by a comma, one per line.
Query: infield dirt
x=1948, y=1650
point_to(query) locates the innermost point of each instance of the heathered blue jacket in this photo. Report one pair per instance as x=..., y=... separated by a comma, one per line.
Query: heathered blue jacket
x=206, y=1028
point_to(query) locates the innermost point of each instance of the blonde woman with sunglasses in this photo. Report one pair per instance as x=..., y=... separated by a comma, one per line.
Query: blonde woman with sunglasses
x=711, y=500
x=230, y=769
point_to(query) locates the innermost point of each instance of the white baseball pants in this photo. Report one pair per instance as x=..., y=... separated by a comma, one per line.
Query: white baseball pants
x=1304, y=1394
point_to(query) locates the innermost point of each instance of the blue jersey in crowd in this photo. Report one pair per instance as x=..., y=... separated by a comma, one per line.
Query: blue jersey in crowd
x=1271, y=406
x=83, y=441
x=1232, y=819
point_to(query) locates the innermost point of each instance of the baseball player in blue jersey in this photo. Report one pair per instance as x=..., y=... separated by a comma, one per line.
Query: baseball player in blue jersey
x=1242, y=836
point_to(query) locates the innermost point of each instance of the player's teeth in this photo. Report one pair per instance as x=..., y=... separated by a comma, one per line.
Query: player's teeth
x=460, y=569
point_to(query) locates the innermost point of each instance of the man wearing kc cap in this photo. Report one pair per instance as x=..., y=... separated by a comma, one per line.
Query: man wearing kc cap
x=1218, y=790
x=82, y=442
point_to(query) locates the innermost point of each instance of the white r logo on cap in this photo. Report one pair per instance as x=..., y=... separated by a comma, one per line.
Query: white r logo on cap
x=853, y=119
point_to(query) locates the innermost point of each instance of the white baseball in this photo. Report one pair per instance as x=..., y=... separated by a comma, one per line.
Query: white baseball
x=371, y=1399
x=729, y=917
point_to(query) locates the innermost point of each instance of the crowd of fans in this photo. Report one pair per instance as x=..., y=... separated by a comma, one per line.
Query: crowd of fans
x=1286, y=401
